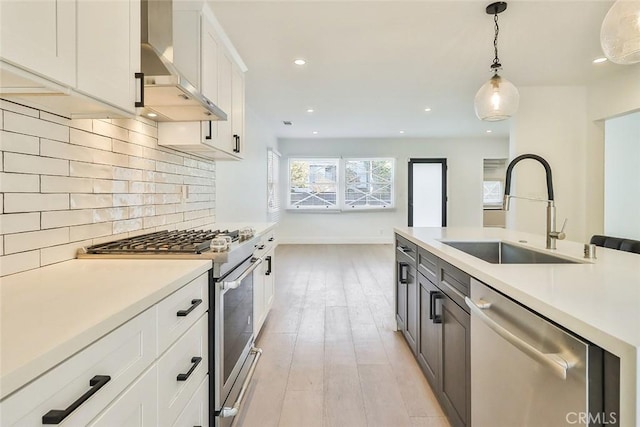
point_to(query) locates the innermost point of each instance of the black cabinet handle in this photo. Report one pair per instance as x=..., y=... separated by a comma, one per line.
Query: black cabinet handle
x=271, y=239
x=260, y=247
x=55, y=416
x=403, y=267
x=196, y=361
x=141, y=77
x=210, y=133
x=268, y=272
x=237, y=148
x=433, y=297
x=194, y=304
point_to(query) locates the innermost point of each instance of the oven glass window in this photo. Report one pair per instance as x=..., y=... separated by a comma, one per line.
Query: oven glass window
x=238, y=323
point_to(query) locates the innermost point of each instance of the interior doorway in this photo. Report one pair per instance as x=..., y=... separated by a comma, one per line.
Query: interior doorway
x=427, y=193
x=493, y=214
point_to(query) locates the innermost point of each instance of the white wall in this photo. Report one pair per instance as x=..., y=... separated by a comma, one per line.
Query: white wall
x=465, y=171
x=622, y=177
x=551, y=122
x=241, y=186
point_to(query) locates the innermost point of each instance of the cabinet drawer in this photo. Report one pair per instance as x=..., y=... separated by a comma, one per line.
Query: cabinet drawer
x=174, y=317
x=428, y=265
x=122, y=355
x=136, y=407
x=197, y=411
x=180, y=359
x=405, y=247
x=454, y=282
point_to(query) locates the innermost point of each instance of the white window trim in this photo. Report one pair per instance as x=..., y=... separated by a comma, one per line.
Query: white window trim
x=341, y=205
x=274, y=180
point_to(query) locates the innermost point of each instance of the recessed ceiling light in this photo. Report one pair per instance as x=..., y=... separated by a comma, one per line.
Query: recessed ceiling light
x=315, y=132
x=600, y=60
x=299, y=62
x=427, y=109
x=152, y=115
x=309, y=110
x=401, y=131
x=489, y=131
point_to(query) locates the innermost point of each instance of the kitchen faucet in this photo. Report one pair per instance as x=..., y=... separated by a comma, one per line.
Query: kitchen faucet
x=552, y=235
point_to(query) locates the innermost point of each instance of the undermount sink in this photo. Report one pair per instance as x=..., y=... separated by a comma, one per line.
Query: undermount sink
x=505, y=253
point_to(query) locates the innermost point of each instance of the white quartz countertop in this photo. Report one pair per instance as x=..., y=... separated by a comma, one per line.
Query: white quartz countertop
x=259, y=227
x=599, y=299
x=48, y=314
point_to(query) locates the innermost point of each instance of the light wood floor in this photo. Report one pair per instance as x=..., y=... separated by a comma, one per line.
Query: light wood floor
x=331, y=357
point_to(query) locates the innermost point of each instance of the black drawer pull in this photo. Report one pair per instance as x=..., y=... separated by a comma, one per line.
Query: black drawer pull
x=210, y=133
x=194, y=304
x=433, y=297
x=237, y=147
x=140, y=103
x=271, y=239
x=55, y=416
x=268, y=272
x=261, y=247
x=196, y=361
x=402, y=274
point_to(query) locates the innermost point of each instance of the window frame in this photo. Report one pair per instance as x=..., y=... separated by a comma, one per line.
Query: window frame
x=330, y=208
x=274, y=200
x=347, y=207
x=493, y=206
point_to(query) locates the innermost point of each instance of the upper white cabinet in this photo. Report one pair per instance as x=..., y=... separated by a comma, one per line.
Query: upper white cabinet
x=87, y=52
x=221, y=80
x=40, y=36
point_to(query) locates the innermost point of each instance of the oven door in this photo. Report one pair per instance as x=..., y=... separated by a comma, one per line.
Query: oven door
x=234, y=338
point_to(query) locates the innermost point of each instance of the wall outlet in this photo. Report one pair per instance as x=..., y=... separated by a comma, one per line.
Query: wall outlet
x=185, y=192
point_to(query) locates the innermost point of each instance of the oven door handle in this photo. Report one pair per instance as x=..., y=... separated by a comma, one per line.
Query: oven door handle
x=233, y=284
x=233, y=411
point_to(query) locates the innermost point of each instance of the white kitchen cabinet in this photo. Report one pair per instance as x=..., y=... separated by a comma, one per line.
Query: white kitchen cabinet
x=108, y=46
x=264, y=281
x=40, y=36
x=136, y=407
x=186, y=44
x=85, y=53
x=196, y=413
x=237, y=108
x=209, y=57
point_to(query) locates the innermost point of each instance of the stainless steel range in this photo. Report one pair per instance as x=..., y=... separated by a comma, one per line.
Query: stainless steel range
x=232, y=355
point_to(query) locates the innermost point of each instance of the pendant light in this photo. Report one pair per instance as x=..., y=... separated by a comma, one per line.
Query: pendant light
x=620, y=32
x=498, y=98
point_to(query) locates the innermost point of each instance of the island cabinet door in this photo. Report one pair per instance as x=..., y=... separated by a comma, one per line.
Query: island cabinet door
x=430, y=320
x=411, y=330
x=455, y=378
x=402, y=276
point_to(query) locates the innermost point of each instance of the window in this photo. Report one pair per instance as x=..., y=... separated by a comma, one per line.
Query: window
x=368, y=183
x=273, y=191
x=333, y=184
x=492, y=194
x=313, y=183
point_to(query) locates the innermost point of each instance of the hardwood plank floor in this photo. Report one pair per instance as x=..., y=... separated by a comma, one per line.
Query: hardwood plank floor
x=331, y=356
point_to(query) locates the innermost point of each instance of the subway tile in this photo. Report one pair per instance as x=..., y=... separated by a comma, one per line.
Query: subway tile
x=1, y=236
x=144, y=140
x=65, y=184
x=1, y=120
x=129, y=124
x=111, y=238
x=142, y=187
x=127, y=174
x=32, y=126
x=127, y=225
x=61, y=253
x=168, y=188
x=91, y=140
x=161, y=199
x=109, y=186
x=107, y=129
x=82, y=201
x=127, y=199
x=22, y=242
x=54, y=118
x=167, y=178
x=1, y=203
x=17, y=223
x=126, y=148
x=110, y=214
x=66, y=218
x=198, y=180
x=90, y=231
x=196, y=214
x=82, y=154
x=144, y=210
x=151, y=153
x=166, y=209
x=88, y=170
x=19, y=143
x=17, y=108
x=16, y=263
x=140, y=163
x=31, y=202
x=25, y=163
x=84, y=124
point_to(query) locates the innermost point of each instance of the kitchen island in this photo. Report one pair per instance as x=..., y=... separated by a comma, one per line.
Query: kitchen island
x=598, y=300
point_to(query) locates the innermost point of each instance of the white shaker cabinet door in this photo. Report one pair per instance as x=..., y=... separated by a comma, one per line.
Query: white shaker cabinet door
x=237, y=107
x=224, y=138
x=109, y=50
x=40, y=36
x=136, y=407
x=209, y=61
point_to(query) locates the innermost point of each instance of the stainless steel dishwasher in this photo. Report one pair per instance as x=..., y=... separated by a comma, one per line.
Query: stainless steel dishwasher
x=526, y=371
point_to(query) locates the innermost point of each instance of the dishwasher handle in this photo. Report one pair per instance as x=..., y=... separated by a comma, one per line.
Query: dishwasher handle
x=553, y=361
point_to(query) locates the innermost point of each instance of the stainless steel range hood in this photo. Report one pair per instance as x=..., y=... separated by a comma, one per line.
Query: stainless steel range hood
x=167, y=92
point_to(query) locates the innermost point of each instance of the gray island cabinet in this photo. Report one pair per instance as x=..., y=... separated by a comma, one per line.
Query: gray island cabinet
x=434, y=301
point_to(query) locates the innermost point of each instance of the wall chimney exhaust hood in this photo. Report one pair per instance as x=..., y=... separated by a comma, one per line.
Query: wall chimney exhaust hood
x=168, y=94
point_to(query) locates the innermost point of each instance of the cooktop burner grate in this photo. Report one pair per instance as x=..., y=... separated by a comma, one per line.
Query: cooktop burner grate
x=177, y=241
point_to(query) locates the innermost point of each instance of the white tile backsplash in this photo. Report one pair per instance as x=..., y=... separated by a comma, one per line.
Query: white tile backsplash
x=65, y=184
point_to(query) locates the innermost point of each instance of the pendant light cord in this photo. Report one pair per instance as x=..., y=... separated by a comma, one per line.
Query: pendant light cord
x=496, y=62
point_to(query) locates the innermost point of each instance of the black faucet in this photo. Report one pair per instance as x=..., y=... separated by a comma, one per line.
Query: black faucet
x=552, y=235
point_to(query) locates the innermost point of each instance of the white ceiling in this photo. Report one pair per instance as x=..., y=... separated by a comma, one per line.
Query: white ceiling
x=373, y=66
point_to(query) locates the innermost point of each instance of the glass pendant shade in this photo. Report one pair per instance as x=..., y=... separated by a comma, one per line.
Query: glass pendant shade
x=496, y=100
x=620, y=32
